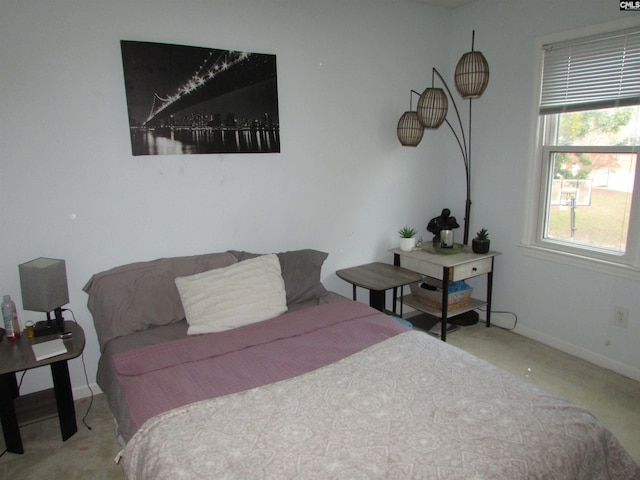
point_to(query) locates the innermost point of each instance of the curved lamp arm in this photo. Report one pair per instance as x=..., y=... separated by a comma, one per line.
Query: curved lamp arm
x=465, y=150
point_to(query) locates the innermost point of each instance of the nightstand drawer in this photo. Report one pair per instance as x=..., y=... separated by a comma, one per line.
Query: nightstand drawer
x=457, y=272
x=467, y=270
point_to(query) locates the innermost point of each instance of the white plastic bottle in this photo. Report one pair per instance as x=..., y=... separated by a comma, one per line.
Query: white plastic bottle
x=10, y=317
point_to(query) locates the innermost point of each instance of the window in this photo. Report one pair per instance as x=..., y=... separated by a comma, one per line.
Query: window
x=589, y=136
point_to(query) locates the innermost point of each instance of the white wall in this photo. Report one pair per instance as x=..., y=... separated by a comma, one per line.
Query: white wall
x=568, y=307
x=71, y=189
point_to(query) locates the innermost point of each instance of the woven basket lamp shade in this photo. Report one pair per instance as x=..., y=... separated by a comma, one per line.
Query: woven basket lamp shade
x=472, y=75
x=432, y=107
x=410, y=130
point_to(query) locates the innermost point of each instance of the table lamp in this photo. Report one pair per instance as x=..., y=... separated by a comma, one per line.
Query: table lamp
x=43, y=283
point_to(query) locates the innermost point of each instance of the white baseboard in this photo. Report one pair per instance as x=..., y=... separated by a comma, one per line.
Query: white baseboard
x=508, y=321
x=584, y=354
x=83, y=391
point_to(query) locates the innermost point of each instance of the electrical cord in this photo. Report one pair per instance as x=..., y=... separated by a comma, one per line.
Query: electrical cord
x=86, y=377
x=515, y=318
x=21, y=378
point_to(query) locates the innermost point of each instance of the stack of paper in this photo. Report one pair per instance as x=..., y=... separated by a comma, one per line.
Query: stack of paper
x=49, y=349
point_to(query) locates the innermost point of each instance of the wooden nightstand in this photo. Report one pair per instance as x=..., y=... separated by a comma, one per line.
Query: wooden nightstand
x=448, y=268
x=16, y=356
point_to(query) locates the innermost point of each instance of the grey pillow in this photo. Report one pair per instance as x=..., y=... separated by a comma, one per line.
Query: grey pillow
x=301, y=271
x=140, y=295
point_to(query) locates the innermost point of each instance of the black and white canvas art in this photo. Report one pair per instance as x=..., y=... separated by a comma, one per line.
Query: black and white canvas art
x=194, y=100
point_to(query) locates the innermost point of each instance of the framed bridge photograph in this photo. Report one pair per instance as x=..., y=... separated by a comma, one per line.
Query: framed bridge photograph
x=192, y=100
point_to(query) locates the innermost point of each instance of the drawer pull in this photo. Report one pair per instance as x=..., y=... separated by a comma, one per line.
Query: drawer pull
x=474, y=269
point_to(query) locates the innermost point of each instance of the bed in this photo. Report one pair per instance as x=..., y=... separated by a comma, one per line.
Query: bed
x=208, y=376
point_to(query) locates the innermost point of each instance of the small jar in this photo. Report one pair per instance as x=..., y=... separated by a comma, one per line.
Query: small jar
x=29, y=328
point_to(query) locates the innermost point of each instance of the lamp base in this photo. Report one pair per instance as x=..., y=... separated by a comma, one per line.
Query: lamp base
x=45, y=327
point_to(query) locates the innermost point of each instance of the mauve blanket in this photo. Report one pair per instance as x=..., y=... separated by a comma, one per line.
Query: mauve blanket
x=162, y=377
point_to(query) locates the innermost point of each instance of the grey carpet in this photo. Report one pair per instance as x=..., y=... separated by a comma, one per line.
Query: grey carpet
x=88, y=454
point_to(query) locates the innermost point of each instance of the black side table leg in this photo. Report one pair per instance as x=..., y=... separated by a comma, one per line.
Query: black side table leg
x=8, y=414
x=376, y=299
x=489, y=293
x=395, y=300
x=445, y=303
x=64, y=399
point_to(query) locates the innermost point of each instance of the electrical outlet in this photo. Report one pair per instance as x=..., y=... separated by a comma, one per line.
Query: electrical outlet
x=621, y=317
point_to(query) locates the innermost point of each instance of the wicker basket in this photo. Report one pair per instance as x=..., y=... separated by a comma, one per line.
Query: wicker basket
x=433, y=298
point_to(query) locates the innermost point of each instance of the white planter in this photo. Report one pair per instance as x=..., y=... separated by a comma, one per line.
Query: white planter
x=407, y=244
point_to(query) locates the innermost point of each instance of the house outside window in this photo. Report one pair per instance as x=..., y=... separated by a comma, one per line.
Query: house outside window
x=588, y=204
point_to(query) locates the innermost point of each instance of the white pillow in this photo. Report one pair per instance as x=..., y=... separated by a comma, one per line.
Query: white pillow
x=229, y=297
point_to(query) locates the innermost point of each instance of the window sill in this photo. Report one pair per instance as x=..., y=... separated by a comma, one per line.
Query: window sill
x=581, y=261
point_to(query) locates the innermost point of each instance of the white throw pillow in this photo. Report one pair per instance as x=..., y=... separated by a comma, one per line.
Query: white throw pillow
x=229, y=297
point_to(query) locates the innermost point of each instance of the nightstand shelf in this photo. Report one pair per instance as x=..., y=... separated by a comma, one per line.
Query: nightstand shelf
x=473, y=304
x=35, y=407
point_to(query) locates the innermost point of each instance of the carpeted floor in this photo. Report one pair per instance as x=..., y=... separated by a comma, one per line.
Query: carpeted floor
x=89, y=454
x=611, y=397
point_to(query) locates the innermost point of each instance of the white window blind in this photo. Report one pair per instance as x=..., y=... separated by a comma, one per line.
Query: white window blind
x=601, y=71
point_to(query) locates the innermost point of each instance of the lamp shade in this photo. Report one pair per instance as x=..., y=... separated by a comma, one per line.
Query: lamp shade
x=43, y=283
x=432, y=107
x=472, y=75
x=410, y=130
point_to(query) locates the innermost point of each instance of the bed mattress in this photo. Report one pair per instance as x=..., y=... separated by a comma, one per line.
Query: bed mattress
x=407, y=407
x=340, y=391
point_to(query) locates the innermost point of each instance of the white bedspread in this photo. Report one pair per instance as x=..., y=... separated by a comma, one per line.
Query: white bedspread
x=409, y=407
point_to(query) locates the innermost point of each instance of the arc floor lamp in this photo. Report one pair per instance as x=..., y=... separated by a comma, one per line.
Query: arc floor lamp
x=471, y=79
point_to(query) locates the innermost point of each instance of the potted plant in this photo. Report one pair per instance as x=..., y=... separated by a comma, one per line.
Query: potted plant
x=480, y=244
x=407, y=238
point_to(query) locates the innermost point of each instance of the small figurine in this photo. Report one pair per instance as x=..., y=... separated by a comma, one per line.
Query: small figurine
x=444, y=222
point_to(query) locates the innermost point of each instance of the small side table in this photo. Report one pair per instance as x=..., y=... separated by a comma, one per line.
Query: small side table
x=377, y=278
x=16, y=356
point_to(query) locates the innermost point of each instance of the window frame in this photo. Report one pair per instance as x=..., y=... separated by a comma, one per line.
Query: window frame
x=627, y=257
x=534, y=244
